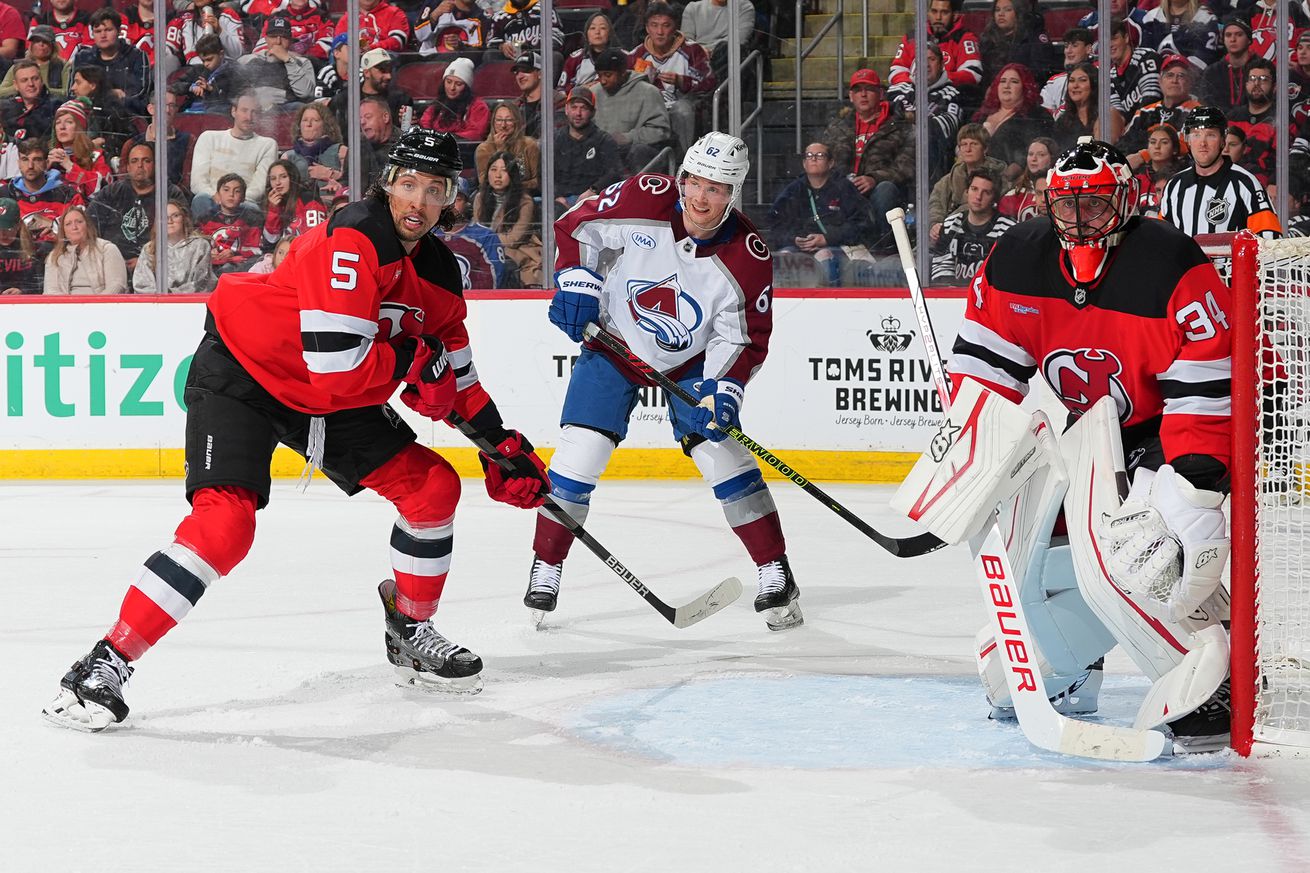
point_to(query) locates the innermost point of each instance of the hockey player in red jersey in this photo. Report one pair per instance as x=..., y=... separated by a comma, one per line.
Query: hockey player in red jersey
x=691, y=294
x=1104, y=304
x=308, y=356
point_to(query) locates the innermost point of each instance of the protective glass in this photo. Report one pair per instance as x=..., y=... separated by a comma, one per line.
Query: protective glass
x=438, y=191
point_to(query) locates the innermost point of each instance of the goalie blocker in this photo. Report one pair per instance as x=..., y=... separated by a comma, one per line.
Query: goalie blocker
x=1114, y=579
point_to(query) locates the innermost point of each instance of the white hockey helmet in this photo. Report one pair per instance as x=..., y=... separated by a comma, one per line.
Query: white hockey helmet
x=718, y=157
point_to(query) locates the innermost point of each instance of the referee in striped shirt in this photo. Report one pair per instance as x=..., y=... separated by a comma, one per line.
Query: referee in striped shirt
x=1214, y=195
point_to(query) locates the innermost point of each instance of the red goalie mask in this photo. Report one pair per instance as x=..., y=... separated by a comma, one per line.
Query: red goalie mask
x=1090, y=195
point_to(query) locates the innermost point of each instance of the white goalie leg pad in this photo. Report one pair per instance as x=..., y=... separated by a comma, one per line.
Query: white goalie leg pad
x=1156, y=643
x=984, y=451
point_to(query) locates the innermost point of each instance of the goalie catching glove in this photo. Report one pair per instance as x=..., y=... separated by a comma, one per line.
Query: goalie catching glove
x=1165, y=519
x=430, y=383
x=514, y=474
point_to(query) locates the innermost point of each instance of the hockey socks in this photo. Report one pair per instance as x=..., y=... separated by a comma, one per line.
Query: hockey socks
x=553, y=540
x=748, y=506
x=420, y=557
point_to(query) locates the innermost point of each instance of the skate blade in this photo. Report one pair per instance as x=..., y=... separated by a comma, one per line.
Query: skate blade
x=781, y=618
x=66, y=711
x=538, y=616
x=1200, y=745
x=407, y=678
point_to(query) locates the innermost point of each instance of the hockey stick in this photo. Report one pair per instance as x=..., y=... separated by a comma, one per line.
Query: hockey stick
x=1041, y=724
x=901, y=547
x=680, y=616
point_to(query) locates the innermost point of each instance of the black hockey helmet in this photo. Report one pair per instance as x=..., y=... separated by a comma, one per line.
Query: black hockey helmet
x=1205, y=117
x=427, y=151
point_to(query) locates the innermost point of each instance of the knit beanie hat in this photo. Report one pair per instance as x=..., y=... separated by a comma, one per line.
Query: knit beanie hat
x=461, y=68
x=79, y=108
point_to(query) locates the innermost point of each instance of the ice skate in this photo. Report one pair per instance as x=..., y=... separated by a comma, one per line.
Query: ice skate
x=91, y=692
x=1080, y=698
x=424, y=658
x=779, y=596
x=1205, y=729
x=543, y=589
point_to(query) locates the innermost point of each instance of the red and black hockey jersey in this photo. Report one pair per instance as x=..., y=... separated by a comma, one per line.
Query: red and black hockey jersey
x=1153, y=333
x=961, y=57
x=303, y=216
x=139, y=34
x=70, y=33
x=235, y=235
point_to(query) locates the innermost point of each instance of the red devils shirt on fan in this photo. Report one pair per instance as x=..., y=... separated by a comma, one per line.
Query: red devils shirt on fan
x=70, y=33
x=1153, y=333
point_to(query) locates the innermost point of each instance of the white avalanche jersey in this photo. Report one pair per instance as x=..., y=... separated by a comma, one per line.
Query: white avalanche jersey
x=674, y=302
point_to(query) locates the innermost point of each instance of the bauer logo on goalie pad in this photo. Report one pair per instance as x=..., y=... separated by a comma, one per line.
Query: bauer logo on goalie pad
x=890, y=340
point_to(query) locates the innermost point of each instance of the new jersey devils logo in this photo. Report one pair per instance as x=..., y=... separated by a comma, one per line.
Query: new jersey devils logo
x=1080, y=378
x=397, y=319
x=664, y=309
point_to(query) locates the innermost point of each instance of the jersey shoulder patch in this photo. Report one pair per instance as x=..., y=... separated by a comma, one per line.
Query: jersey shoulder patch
x=373, y=220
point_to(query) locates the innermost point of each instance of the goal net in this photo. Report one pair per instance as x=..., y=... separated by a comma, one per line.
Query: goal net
x=1271, y=495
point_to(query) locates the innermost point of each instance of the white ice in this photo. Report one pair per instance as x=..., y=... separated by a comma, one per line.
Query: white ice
x=266, y=733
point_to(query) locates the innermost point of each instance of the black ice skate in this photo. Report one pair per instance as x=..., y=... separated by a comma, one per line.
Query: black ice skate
x=91, y=692
x=543, y=589
x=1206, y=728
x=778, y=595
x=424, y=658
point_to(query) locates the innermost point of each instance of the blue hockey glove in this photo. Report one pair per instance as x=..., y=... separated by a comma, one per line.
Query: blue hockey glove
x=576, y=301
x=720, y=405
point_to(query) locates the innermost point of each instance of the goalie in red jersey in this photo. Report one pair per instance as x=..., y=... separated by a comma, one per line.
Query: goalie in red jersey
x=1125, y=320
x=308, y=356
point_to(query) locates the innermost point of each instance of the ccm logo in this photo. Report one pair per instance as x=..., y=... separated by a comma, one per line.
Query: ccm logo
x=1016, y=647
x=643, y=240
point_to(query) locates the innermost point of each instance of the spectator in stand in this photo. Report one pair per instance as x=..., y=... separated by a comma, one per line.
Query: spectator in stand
x=1182, y=27
x=213, y=80
x=1081, y=114
x=1014, y=118
x=504, y=205
x=139, y=31
x=705, y=22
x=271, y=260
x=516, y=29
x=949, y=193
x=21, y=271
x=187, y=257
x=125, y=210
x=1016, y=34
x=1135, y=73
x=1025, y=200
x=448, y=40
x=527, y=75
x=478, y=250
x=1263, y=15
x=279, y=77
x=1257, y=118
x=238, y=149
x=1078, y=45
x=81, y=262
x=233, y=224
x=375, y=67
x=873, y=144
x=1235, y=145
x=969, y=233
x=1172, y=107
x=631, y=110
x=72, y=152
x=179, y=141
x=290, y=208
x=586, y=157
x=41, y=193
x=311, y=30
x=127, y=70
x=317, y=151
x=331, y=76
x=30, y=112
x=506, y=135
x=960, y=47
x=629, y=24
x=1223, y=82
x=206, y=18
x=1299, y=61
x=380, y=137
x=945, y=111
x=459, y=112
x=1164, y=161
x=580, y=66
x=1120, y=10
x=71, y=26
x=475, y=25
x=41, y=51
x=381, y=26
x=111, y=124
x=677, y=66
x=821, y=214
x=13, y=33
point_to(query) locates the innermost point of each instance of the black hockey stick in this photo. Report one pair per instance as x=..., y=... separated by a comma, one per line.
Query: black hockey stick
x=901, y=547
x=680, y=616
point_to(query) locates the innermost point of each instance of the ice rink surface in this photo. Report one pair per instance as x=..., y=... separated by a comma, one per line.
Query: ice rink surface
x=266, y=733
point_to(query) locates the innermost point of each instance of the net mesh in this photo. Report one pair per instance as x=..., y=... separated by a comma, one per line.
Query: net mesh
x=1282, y=479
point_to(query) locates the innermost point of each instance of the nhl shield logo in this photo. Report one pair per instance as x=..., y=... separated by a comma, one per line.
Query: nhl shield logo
x=890, y=339
x=1216, y=211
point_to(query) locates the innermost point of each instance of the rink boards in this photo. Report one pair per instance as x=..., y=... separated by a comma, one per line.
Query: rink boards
x=92, y=388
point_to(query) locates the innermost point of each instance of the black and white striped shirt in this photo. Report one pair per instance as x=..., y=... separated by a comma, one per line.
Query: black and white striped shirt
x=962, y=247
x=1229, y=200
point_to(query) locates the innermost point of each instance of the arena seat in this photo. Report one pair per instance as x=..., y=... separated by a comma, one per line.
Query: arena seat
x=421, y=81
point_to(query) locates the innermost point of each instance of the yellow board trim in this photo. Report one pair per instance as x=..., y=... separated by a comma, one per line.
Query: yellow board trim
x=824, y=466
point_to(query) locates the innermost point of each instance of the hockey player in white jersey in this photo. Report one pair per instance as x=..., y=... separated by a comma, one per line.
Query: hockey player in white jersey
x=690, y=293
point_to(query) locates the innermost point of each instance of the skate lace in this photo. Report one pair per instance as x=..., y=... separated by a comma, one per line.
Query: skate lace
x=110, y=670
x=428, y=641
x=772, y=577
x=545, y=577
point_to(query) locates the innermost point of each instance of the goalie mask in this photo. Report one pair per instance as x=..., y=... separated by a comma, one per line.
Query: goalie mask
x=1090, y=195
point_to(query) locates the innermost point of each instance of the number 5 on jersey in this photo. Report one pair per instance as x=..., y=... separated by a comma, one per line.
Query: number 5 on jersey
x=344, y=274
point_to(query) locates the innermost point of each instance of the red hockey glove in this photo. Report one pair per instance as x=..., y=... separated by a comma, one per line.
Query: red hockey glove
x=431, y=391
x=515, y=475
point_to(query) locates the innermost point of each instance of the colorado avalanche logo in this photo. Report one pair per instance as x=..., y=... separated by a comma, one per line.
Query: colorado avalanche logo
x=1080, y=378
x=398, y=319
x=664, y=309
x=465, y=272
x=655, y=185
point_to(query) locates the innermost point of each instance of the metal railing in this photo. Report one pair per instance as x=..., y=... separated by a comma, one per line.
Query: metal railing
x=666, y=155
x=753, y=118
x=803, y=52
